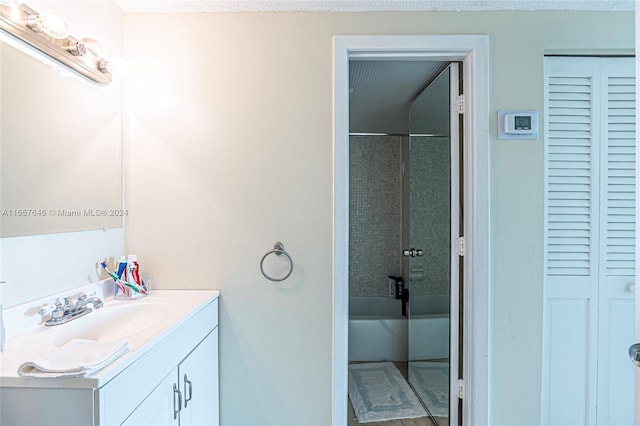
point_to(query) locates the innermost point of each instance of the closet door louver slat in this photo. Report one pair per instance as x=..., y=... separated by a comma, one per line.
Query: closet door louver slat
x=620, y=176
x=569, y=177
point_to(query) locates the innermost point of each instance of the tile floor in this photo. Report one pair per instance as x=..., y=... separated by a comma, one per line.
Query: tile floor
x=418, y=421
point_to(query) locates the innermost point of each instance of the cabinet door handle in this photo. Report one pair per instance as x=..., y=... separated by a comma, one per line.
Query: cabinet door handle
x=177, y=392
x=188, y=383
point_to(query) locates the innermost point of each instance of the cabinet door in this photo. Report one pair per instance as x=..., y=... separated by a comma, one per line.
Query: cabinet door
x=158, y=408
x=199, y=383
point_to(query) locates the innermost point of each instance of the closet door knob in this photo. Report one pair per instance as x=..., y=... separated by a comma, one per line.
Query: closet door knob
x=634, y=354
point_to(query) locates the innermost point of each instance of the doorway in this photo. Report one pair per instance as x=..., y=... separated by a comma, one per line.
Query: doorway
x=473, y=53
x=404, y=215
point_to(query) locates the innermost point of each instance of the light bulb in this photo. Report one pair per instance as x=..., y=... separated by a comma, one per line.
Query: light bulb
x=55, y=25
x=15, y=10
x=50, y=23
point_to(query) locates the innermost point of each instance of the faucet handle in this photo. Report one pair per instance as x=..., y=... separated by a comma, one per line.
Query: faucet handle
x=46, y=309
x=56, y=310
x=71, y=301
x=83, y=296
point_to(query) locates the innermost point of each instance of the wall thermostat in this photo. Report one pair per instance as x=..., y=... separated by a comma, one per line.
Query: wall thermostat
x=518, y=124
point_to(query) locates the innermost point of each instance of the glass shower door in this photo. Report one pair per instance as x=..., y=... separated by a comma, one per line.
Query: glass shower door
x=428, y=245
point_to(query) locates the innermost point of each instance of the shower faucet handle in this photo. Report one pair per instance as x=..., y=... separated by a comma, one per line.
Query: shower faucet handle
x=412, y=252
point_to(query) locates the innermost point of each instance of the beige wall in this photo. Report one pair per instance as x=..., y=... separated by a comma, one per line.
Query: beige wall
x=230, y=150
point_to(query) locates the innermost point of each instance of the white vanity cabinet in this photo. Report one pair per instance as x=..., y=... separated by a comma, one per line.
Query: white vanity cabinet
x=138, y=389
x=191, y=351
x=158, y=408
x=197, y=376
x=189, y=393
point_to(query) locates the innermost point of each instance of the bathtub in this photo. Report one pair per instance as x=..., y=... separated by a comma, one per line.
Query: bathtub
x=378, y=331
x=429, y=337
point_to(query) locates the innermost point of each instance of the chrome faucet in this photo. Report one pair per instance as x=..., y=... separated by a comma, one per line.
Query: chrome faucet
x=61, y=313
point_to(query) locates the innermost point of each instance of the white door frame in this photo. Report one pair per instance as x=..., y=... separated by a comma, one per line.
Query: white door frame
x=473, y=51
x=637, y=277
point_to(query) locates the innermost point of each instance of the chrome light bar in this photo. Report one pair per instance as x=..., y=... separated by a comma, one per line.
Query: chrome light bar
x=25, y=24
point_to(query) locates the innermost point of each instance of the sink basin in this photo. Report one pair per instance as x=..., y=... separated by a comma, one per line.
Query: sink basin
x=119, y=320
x=141, y=322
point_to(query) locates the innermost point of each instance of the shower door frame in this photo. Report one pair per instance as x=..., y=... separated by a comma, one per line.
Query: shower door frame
x=472, y=51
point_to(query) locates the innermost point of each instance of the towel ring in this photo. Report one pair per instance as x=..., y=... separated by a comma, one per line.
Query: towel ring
x=278, y=249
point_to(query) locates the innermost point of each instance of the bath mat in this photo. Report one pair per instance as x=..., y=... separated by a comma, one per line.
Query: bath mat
x=378, y=392
x=431, y=382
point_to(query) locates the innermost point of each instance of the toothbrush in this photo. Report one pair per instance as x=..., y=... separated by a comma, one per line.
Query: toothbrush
x=114, y=277
x=120, y=282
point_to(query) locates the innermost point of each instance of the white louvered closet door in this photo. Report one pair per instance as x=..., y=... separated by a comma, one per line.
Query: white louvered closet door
x=589, y=241
x=616, y=304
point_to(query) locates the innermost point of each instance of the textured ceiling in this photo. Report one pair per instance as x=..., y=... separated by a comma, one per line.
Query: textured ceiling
x=184, y=6
x=382, y=91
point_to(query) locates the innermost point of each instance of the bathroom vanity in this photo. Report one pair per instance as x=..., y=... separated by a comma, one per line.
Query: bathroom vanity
x=169, y=376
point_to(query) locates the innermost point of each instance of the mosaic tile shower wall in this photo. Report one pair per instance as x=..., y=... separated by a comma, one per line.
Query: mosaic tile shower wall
x=375, y=213
x=430, y=223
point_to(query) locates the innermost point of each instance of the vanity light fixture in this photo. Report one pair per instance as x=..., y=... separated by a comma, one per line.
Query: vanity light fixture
x=48, y=33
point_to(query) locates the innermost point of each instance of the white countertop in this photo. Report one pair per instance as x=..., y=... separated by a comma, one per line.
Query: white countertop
x=167, y=310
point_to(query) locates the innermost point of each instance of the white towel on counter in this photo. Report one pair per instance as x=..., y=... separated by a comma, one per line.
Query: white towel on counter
x=76, y=358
